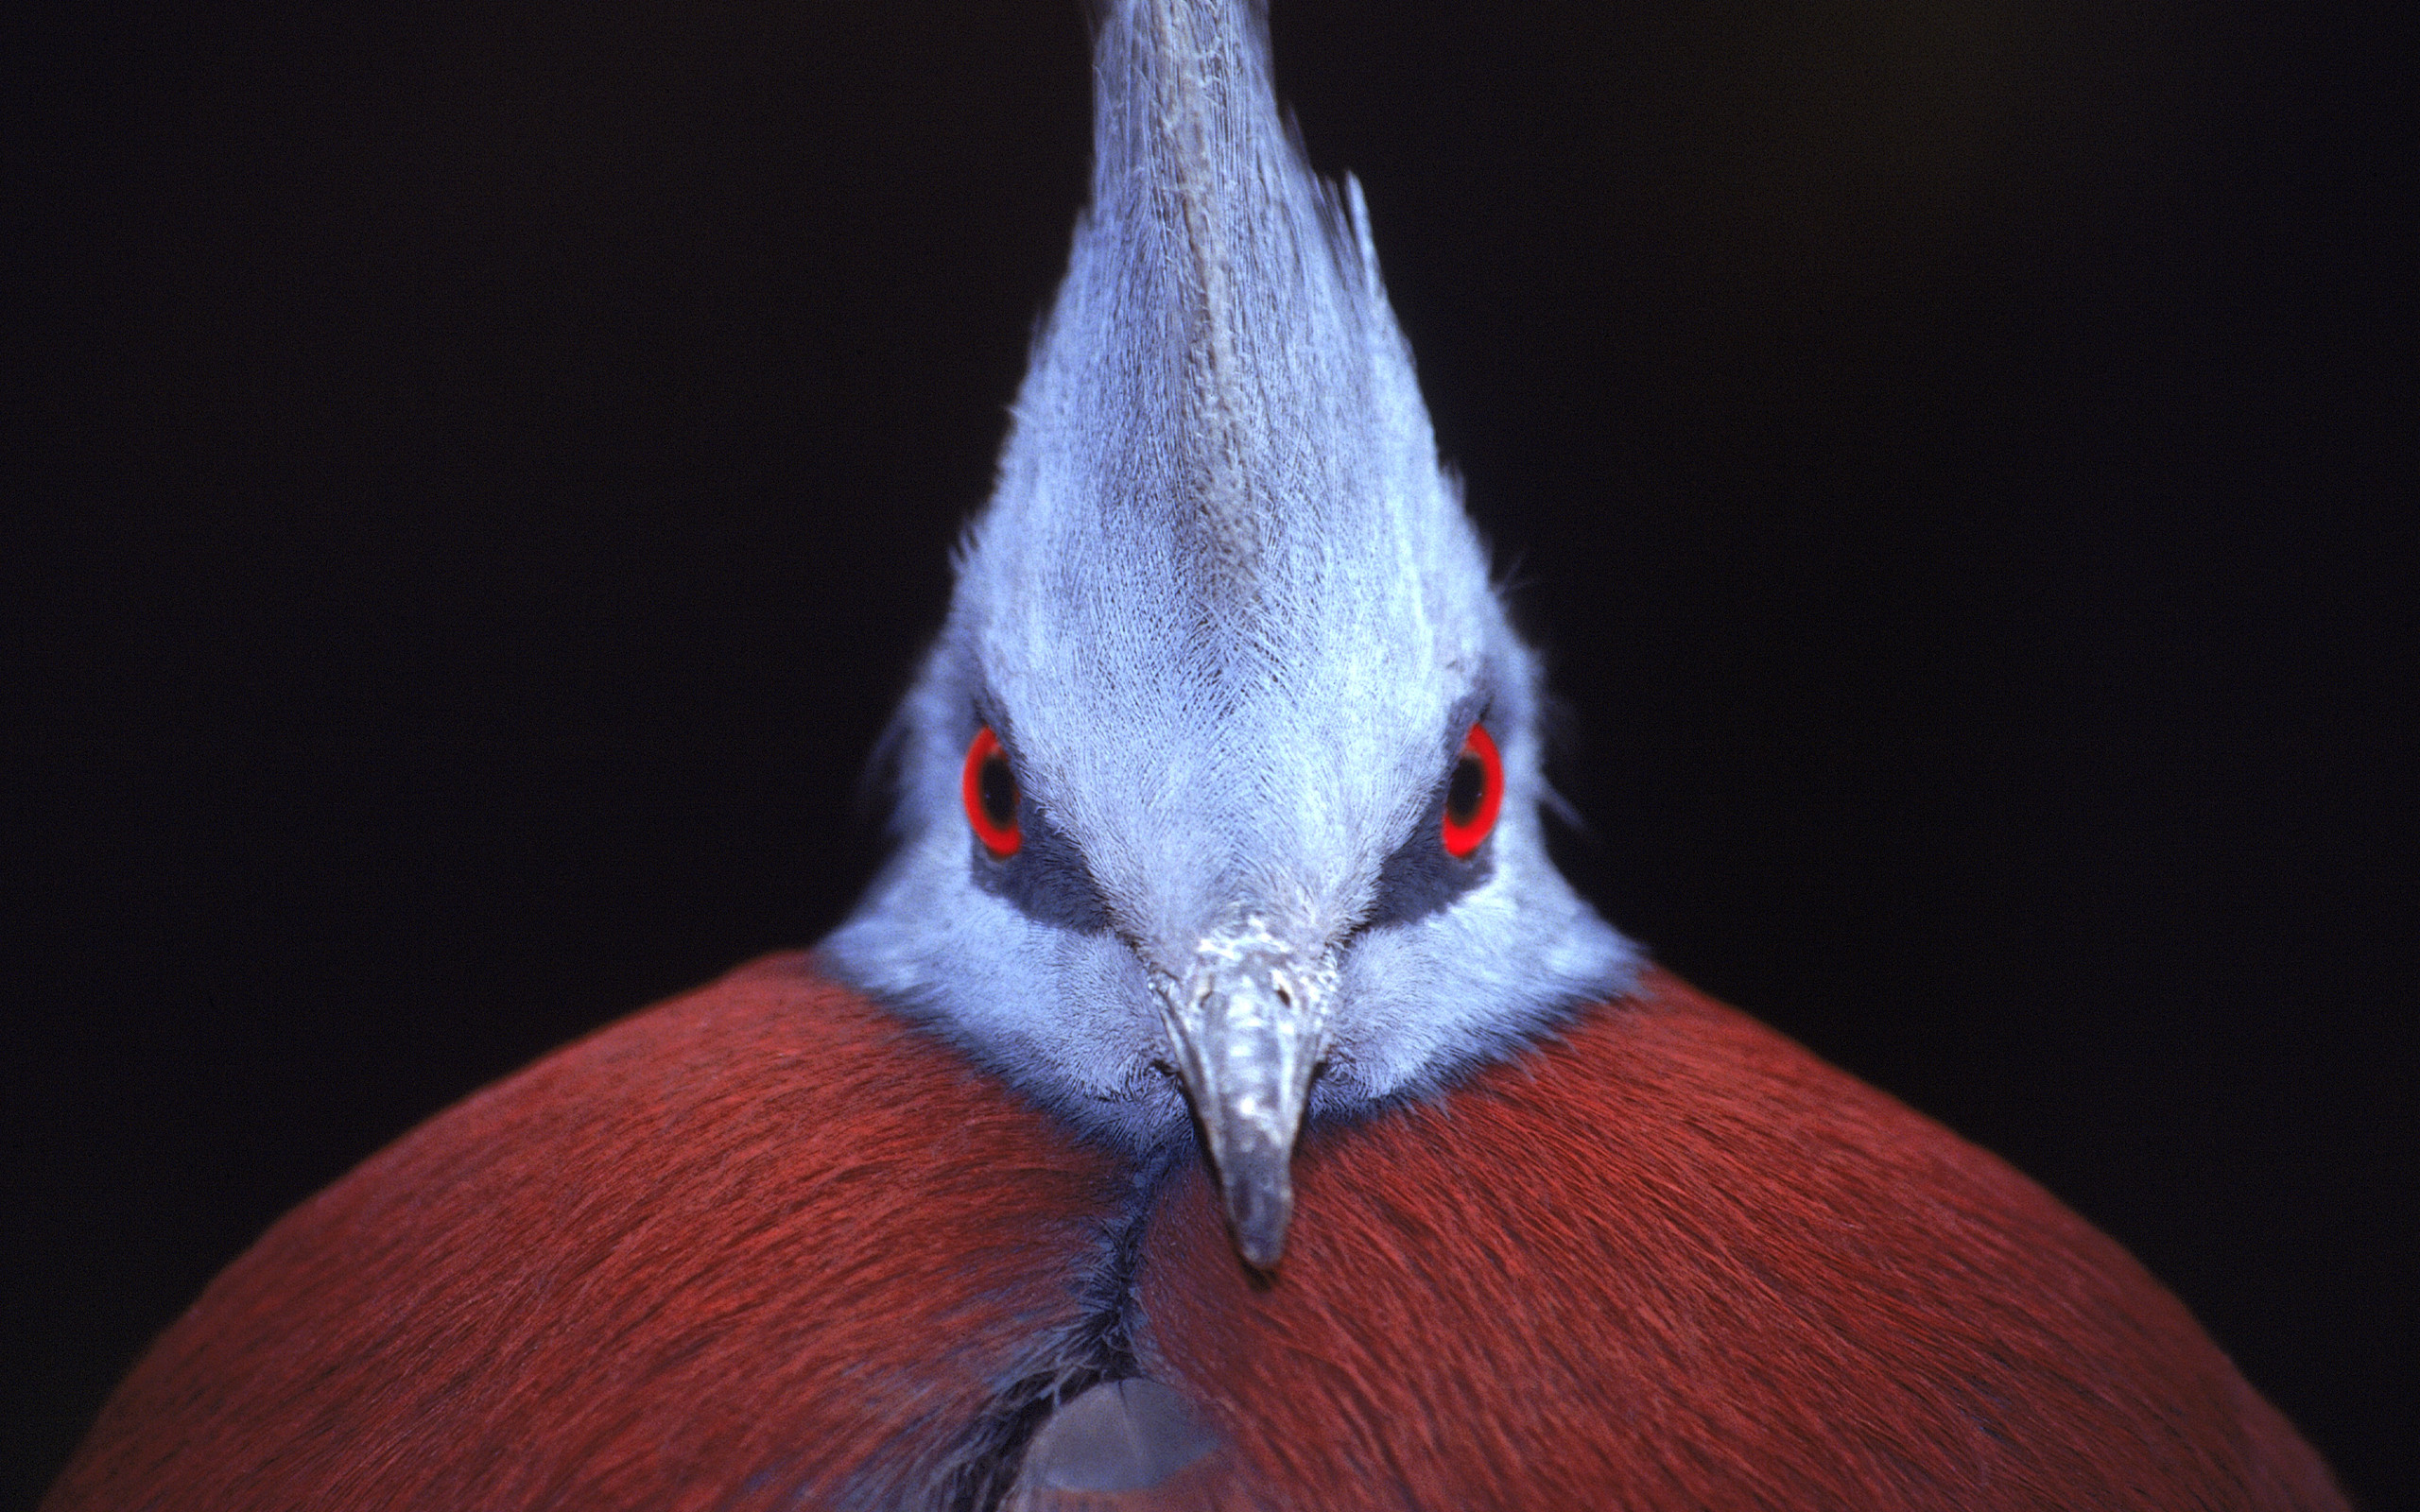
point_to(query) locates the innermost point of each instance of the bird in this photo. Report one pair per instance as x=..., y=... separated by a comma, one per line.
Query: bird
x=1218, y=1098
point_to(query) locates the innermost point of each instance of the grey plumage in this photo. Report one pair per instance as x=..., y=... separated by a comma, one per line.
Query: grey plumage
x=1230, y=621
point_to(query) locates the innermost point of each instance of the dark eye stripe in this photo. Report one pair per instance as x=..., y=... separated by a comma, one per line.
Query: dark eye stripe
x=1427, y=873
x=1018, y=855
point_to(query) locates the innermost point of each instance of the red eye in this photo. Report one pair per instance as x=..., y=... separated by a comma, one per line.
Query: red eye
x=1473, y=794
x=990, y=791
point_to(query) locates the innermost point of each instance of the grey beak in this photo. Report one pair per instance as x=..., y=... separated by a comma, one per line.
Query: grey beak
x=1248, y=1024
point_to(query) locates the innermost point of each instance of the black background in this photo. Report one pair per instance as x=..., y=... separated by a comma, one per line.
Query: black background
x=484, y=471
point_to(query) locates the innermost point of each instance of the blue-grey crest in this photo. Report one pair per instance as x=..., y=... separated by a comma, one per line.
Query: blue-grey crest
x=1231, y=627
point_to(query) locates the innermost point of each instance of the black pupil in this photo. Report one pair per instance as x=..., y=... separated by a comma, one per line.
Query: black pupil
x=1468, y=786
x=998, y=789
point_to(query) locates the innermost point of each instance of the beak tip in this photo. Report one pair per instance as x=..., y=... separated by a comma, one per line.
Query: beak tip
x=1247, y=1028
x=1259, y=1212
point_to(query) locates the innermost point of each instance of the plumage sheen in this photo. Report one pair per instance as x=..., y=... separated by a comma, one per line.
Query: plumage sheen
x=995, y=1201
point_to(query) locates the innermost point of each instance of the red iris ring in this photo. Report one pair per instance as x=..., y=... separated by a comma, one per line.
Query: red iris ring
x=1466, y=833
x=1001, y=839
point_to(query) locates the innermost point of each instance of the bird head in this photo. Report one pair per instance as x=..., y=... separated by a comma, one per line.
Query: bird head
x=1221, y=787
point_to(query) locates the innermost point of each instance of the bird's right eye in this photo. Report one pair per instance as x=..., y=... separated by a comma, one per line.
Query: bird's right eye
x=991, y=792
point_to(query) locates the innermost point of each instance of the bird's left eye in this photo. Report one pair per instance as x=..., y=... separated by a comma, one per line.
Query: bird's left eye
x=1473, y=794
x=991, y=793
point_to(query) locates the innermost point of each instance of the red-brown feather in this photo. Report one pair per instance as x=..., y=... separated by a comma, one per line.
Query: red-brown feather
x=760, y=1241
x=765, y=1245
x=1671, y=1259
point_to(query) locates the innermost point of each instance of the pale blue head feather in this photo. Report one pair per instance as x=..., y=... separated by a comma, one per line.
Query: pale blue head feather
x=1231, y=622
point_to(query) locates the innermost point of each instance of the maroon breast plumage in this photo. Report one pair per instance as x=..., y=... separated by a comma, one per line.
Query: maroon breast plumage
x=767, y=1247
x=758, y=1244
x=1669, y=1259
